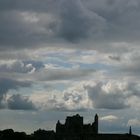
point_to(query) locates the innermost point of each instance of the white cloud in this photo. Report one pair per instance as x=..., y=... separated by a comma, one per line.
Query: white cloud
x=134, y=122
x=71, y=99
x=30, y=17
x=86, y=95
x=110, y=118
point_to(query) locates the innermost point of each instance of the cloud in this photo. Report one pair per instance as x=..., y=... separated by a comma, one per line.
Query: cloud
x=120, y=16
x=76, y=98
x=134, y=122
x=62, y=74
x=115, y=58
x=110, y=95
x=114, y=94
x=126, y=63
x=18, y=102
x=72, y=21
x=111, y=21
x=15, y=55
x=71, y=99
x=77, y=22
x=109, y=118
x=36, y=64
x=30, y=30
x=7, y=84
x=80, y=96
x=31, y=5
x=84, y=95
x=18, y=66
x=10, y=84
x=44, y=22
x=131, y=64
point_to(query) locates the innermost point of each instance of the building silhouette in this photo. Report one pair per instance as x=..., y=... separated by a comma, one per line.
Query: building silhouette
x=74, y=126
x=72, y=129
x=75, y=129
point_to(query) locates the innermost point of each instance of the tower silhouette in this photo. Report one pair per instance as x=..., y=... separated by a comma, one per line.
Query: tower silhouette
x=130, y=131
x=96, y=123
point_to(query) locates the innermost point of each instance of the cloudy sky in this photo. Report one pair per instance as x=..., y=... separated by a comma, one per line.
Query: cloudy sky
x=62, y=57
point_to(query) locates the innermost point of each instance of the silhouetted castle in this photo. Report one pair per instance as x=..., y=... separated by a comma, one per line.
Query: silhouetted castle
x=74, y=126
x=72, y=129
x=75, y=129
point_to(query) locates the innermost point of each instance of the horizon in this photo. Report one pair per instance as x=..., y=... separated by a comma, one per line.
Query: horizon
x=60, y=57
x=63, y=122
x=84, y=122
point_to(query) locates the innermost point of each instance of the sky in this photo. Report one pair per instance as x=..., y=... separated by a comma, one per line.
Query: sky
x=63, y=57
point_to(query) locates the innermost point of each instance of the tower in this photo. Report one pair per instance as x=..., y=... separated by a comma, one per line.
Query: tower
x=58, y=127
x=96, y=123
x=130, y=131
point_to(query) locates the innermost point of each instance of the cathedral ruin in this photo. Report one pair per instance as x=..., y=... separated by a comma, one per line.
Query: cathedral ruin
x=75, y=129
x=74, y=125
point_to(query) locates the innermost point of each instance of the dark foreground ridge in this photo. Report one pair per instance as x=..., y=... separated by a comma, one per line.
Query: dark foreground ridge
x=72, y=129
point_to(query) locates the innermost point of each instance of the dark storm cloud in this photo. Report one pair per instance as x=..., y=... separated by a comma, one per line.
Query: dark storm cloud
x=77, y=22
x=74, y=22
x=122, y=17
x=28, y=5
x=15, y=32
x=71, y=21
x=18, y=102
x=9, y=84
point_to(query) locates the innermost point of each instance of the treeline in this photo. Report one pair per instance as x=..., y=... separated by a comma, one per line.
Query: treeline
x=9, y=134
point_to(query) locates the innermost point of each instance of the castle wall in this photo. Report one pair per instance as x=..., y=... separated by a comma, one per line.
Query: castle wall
x=74, y=127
